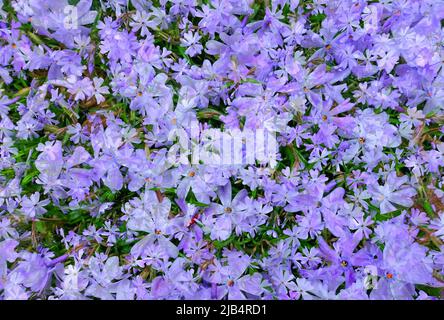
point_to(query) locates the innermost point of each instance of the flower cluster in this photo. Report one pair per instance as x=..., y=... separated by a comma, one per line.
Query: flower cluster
x=92, y=205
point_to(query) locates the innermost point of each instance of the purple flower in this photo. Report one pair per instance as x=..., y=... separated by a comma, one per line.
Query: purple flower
x=97, y=202
x=394, y=191
x=32, y=207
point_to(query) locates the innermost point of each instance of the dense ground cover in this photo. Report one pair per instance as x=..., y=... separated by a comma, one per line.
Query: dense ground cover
x=93, y=203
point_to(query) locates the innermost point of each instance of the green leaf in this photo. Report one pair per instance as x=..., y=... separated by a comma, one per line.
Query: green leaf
x=29, y=177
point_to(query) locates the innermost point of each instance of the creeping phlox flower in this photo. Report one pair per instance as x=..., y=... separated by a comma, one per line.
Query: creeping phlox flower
x=133, y=138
